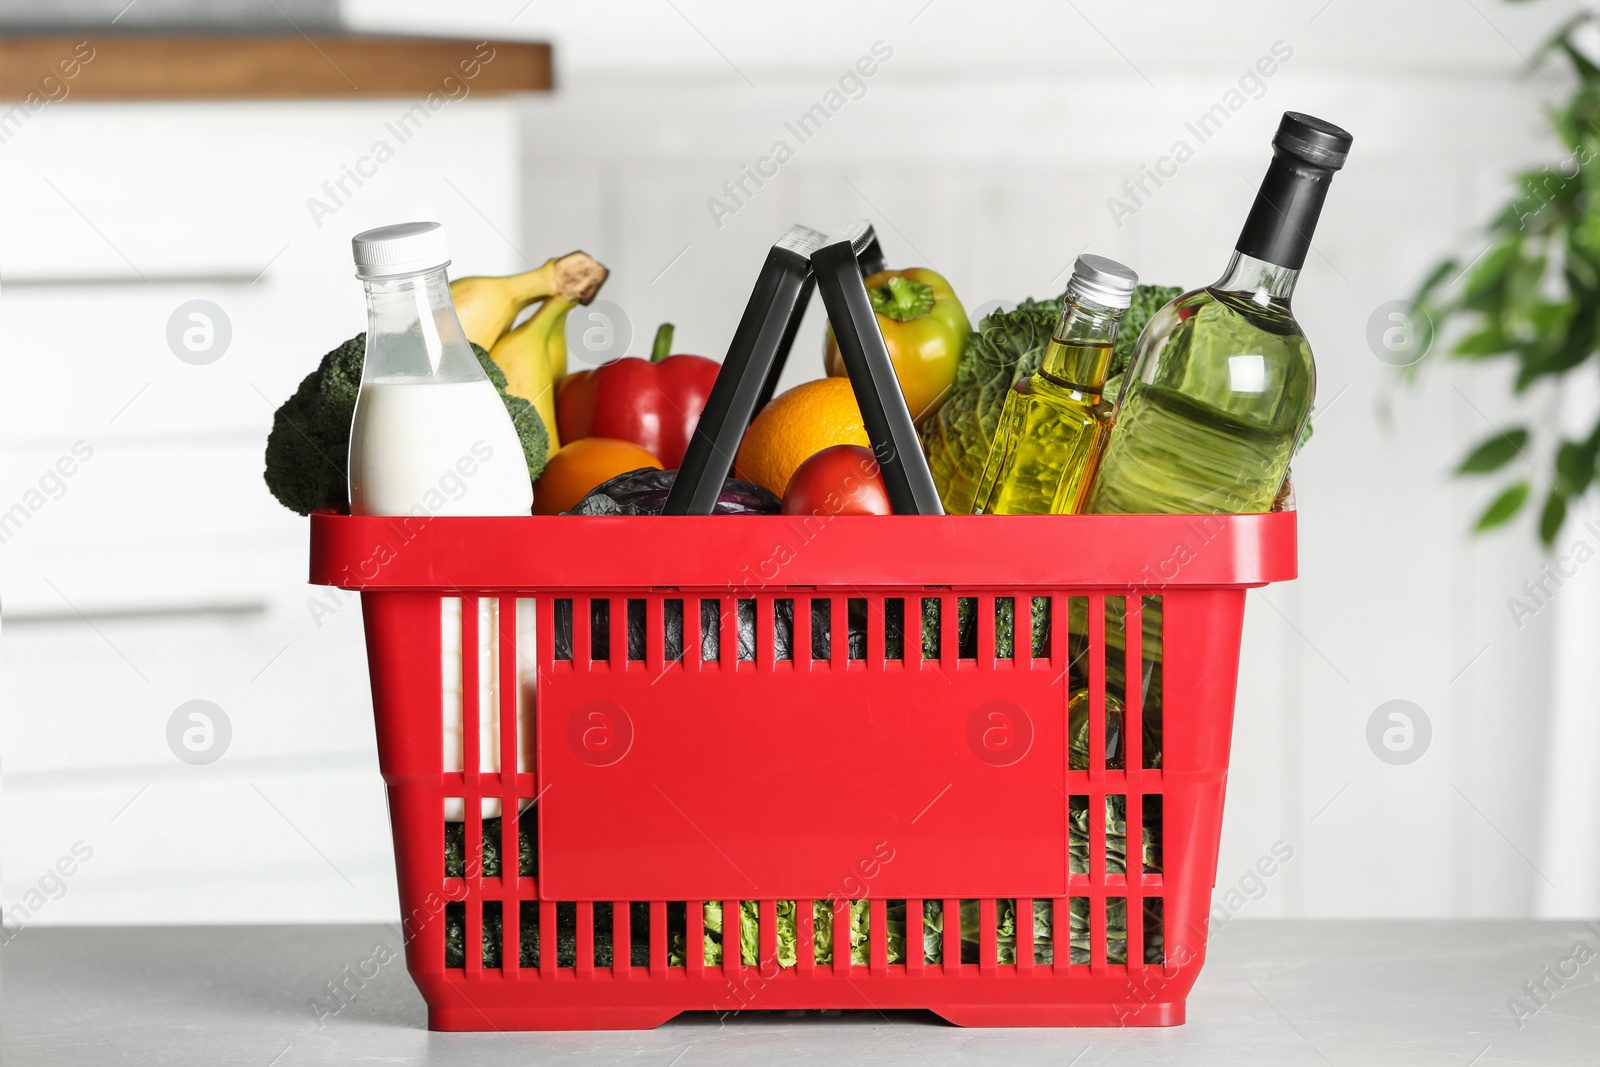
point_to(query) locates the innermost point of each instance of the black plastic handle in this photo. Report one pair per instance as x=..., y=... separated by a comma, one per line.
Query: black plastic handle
x=749, y=372
x=871, y=260
x=837, y=268
x=870, y=253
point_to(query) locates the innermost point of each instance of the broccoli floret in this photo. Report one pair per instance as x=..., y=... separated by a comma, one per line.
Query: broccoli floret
x=308, y=448
x=530, y=427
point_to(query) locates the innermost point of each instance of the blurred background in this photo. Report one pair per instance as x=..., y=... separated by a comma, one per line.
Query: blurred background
x=989, y=144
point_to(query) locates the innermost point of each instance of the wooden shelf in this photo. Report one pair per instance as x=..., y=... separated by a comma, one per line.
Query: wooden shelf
x=167, y=67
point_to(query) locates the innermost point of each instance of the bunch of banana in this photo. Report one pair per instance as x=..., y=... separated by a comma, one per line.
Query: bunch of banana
x=534, y=355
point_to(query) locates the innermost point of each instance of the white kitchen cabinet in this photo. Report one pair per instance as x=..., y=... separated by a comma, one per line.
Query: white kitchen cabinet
x=189, y=577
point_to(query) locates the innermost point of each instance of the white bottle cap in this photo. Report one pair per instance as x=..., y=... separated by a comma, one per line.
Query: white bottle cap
x=405, y=248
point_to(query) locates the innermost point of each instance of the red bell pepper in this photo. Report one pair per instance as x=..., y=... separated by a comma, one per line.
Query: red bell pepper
x=653, y=402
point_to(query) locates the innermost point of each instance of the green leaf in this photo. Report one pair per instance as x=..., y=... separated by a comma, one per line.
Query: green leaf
x=1552, y=516
x=1575, y=466
x=1437, y=277
x=1524, y=280
x=1549, y=319
x=1561, y=352
x=1503, y=507
x=1562, y=40
x=1549, y=196
x=1488, y=341
x=1494, y=453
x=1514, y=215
x=1586, y=70
x=1491, y=271
x=1583, y=236
x=1581, y=273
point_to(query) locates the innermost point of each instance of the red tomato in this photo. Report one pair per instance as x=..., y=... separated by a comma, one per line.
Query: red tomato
x=841, y=480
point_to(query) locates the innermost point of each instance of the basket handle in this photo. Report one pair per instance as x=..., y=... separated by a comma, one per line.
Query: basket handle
x=837, y=266
x=871, y=260
x=749, y=372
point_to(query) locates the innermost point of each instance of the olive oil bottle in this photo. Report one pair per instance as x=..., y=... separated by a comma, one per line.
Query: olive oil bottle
x=1054, y=421
x=1222, y=379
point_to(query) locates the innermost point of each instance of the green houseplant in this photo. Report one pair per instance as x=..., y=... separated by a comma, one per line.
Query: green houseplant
x=1533, y=296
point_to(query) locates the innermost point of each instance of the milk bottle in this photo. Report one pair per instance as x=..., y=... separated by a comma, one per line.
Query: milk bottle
x=430, y=435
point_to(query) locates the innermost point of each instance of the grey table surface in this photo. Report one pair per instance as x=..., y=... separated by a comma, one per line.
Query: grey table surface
x=1274, y=992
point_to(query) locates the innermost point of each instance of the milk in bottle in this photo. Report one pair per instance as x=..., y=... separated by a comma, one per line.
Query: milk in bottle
x=430, y=435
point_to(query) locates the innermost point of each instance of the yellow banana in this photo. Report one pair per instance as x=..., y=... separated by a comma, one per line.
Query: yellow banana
x=530, y=356
x=555, y=347
x=488, y=306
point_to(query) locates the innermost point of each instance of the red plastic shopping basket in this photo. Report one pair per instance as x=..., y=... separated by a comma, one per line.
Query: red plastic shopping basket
x=973, y=765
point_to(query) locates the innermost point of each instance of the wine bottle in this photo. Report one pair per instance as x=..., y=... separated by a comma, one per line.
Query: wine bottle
x=1222, y=378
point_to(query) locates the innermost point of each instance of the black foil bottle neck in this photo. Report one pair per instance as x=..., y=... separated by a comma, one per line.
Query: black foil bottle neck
x=1284, y=215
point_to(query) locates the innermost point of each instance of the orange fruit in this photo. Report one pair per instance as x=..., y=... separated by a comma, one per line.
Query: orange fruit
x=795, y=426
x=578, y=466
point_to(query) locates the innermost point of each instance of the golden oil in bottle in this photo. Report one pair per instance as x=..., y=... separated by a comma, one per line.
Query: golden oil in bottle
x=1054, y=422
